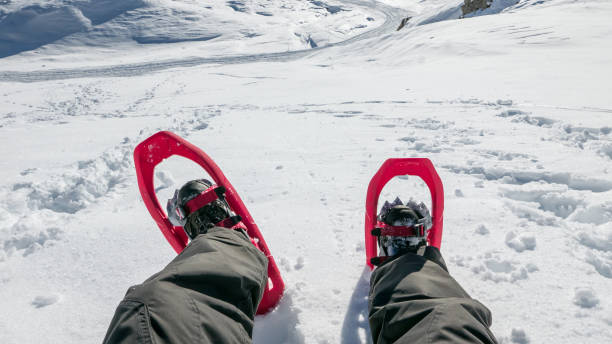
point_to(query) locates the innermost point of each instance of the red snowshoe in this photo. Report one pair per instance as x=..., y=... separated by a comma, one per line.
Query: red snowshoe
x=163, y=145
x=374, y=228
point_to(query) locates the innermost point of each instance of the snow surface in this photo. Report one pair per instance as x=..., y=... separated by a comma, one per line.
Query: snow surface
x=300, y=102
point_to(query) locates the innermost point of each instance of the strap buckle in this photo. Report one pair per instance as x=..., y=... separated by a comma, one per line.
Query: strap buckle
x=383, y=229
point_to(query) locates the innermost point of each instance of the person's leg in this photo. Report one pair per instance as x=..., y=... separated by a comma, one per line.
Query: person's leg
x=208, y=294
x=413, y=299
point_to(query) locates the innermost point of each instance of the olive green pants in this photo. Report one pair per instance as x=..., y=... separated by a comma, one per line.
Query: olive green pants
x=210, y=292
x=413, y=299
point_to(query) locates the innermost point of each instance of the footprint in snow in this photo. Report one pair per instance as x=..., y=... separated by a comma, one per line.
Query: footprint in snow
x=164, y=179
x=43, y=301
x=521, y=242
x=492, y=267
x=482, y=230
x=284, y=263
x=585, y=298
x=299, y=264
x=519, y=336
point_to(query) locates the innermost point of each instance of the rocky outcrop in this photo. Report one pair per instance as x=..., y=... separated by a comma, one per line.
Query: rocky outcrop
x=403, y=23
x=470, y=6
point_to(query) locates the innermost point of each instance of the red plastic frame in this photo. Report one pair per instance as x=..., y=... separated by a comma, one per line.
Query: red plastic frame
x=165, y=144
x=421, y=167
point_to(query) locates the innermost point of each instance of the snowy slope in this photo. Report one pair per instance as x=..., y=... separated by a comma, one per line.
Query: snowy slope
x=513, y=108
x=133, y=30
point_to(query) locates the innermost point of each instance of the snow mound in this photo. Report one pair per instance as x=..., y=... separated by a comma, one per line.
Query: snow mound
x=38, y=207
x=521, y=242
x=76, y=189
x=586, y=298
x=492, y=267
x=35, y=25
x=82, y=24
x=601, y=263
x=597, y=214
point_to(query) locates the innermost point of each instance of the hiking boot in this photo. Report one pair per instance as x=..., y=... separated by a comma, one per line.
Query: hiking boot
x=200, y=205
x=405, y=227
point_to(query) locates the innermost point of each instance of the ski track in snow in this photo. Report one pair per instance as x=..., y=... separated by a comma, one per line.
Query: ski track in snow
x=516, y=214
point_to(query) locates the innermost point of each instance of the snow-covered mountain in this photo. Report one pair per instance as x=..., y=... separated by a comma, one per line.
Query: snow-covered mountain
x=300, y=102
x=114, y=29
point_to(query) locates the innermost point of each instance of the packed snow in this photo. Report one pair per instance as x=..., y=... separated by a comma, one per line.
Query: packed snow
x=300, y=102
